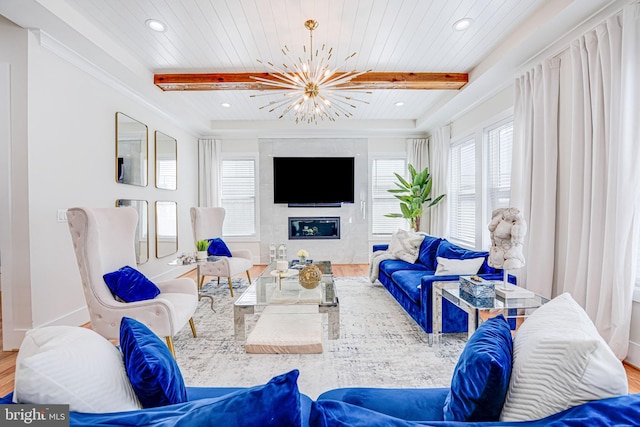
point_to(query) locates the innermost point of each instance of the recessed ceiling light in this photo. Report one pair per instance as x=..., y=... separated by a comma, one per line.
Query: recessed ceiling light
x=226, y=105
x=399, y=104
x=462, y=24
x=155, y=25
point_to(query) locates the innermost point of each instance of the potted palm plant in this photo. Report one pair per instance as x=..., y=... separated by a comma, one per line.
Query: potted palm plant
x=413, y=194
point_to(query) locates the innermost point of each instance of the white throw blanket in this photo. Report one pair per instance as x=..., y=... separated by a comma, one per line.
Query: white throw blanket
x=405, y=245
x=374, y=263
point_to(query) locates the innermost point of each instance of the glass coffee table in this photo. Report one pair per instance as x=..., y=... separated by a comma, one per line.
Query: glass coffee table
x=511, y=308
x=274, y=287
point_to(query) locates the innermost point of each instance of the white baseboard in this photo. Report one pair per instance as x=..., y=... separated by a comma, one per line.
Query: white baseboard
x=633, y=355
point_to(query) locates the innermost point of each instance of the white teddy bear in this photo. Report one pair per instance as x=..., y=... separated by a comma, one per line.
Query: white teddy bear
x=508, y=229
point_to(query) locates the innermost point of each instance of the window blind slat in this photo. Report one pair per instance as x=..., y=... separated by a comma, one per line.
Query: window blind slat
x=500, y=140
x=238, y=196
x=383, y=202
x=462, y=200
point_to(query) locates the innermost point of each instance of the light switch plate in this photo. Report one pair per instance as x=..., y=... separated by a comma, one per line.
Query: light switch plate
x=62, y=215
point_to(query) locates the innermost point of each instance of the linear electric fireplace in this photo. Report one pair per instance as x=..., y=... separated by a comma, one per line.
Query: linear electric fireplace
x=326, y=227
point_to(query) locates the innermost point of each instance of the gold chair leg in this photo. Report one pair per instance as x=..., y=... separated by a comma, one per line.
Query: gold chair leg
x=170, y=345
x=249, y=276
x=230, y=286
x=201, y=281
x=193, y=327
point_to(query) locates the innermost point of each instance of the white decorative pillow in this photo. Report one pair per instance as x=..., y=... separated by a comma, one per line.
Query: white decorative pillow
x=405, y=245
x=560, y=361
x=74, y=366
x=448, y=266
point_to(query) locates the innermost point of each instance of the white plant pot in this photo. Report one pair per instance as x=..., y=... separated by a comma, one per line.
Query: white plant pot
x=202, y=255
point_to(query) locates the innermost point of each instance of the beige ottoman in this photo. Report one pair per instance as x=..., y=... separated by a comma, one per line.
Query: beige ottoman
x=287, y=329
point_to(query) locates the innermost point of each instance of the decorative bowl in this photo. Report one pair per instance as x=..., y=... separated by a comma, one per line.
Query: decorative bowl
x=310, y=276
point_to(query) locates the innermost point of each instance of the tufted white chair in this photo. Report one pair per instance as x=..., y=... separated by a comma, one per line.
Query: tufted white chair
x=207, y=224
x=103, y=240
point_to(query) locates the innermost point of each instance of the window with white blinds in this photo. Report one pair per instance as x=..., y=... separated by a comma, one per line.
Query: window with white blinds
x=383, y=202
x=238, y=196
x=462, y=194
x=499, y=148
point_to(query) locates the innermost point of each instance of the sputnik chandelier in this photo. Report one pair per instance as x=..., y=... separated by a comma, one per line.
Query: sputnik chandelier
x=310, y=88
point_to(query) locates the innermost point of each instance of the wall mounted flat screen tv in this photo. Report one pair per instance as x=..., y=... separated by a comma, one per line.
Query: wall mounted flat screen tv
x=313, y=180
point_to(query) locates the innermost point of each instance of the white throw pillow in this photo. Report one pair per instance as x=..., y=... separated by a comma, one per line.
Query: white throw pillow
x=448, y=266
x=74, y=366
x=405, y=245
x=560, y=361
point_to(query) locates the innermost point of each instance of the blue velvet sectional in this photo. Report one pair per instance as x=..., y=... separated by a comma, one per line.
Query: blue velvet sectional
x=362, y=407
x=352, y=407
x=411, y=284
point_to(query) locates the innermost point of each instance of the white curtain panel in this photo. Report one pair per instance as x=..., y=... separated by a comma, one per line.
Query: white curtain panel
x=533, y=170
x=602, y=223
x=418, y=156
x=208, y=173
x=439, y=155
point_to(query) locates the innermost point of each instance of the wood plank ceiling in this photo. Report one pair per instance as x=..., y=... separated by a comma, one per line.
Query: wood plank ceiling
x=390, y=37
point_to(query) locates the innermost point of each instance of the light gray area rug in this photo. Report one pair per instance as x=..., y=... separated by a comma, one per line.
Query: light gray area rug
x=379, y=346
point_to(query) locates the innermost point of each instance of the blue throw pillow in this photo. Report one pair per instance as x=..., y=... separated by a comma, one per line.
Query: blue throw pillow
x=427, y=255
x=151, y=368
x=481, y=376
x=451, y=251
x=274, y=404
x=130, y=285
x=218, y=247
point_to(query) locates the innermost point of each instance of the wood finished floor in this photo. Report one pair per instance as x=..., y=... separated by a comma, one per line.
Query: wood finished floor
x=8, y=358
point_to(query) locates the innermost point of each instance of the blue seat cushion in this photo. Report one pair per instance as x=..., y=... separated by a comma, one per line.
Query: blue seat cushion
x=428, y=249
x=481, y=376
x=130, y=285
x=390, y=266
x=151, y=368
x=409, y=281
x=404, y=403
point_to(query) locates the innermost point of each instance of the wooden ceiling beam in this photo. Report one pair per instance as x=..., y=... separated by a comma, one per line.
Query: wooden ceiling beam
x=370, y=80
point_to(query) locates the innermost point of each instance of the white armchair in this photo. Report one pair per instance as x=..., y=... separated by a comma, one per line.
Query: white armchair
x=103, y=240
x=207, y=224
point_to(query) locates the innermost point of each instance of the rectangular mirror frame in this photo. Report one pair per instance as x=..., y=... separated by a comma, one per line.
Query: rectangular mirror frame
x=142, y=229
x=166, y=228
x=166, y=164
x=132, y=151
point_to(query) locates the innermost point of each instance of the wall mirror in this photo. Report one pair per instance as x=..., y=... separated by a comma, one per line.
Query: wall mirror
x=142, y=230
x=166, y=228
x=131, y=151
x=166, y=161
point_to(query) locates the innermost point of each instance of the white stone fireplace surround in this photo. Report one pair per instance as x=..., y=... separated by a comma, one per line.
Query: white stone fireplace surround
x=352, y=247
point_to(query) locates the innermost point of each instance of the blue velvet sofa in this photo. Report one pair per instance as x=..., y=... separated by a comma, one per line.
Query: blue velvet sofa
x=277, y=403
x=477, y=393
x=360, y=407
x=482, y=389
x=411, y=284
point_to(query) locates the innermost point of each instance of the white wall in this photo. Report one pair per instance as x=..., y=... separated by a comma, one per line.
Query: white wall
x=484, y=111
x=14, y=212
x=351, y=248
x=259, y=246
x=70, y=161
